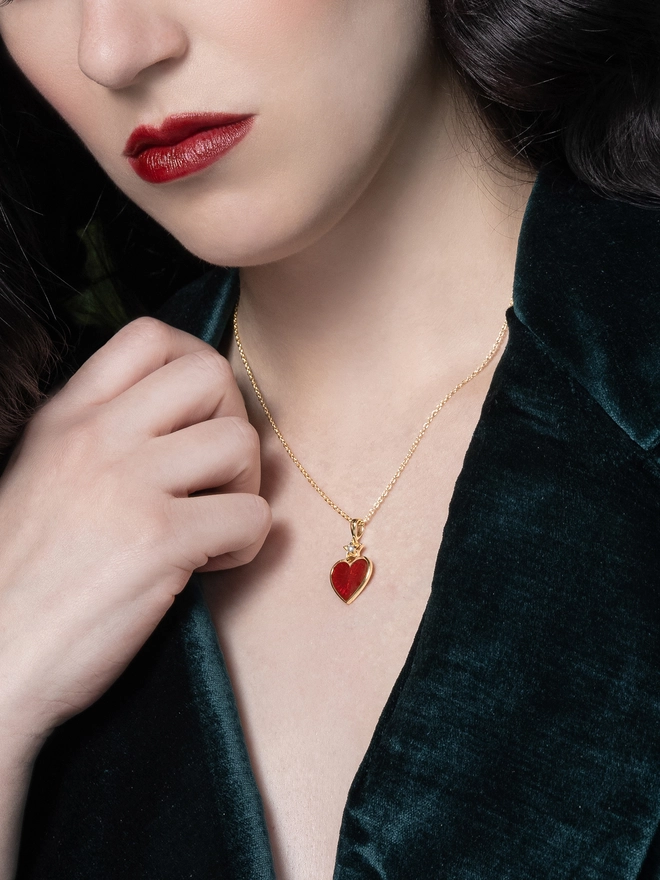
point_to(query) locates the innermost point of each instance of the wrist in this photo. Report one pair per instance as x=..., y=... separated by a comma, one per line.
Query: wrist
x=22, y=734
x=19, y=745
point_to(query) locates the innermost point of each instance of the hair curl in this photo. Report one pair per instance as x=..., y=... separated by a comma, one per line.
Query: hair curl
x=571, y=81
x=565, y=81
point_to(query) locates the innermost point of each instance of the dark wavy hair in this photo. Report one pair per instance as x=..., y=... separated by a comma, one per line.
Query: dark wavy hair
x=575, y=82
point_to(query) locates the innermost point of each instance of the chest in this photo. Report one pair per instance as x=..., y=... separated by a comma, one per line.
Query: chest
x=311, y=674
x=516, y=668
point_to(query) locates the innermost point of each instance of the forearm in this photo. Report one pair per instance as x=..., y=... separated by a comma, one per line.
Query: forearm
x=16, y=762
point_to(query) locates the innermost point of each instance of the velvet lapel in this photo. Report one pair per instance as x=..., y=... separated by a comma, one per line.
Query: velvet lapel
x=522, y=740
x=204, y=308
x=588, y=287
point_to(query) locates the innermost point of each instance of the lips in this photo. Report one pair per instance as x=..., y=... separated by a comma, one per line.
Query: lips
x=184, y=144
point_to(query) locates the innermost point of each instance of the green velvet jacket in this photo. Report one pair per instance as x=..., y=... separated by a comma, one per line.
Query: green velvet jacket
x=522, y=737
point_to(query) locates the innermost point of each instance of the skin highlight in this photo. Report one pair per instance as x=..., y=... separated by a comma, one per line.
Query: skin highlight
x=377, y=252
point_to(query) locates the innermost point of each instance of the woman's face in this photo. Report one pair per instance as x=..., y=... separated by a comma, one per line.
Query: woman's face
x=321, y=86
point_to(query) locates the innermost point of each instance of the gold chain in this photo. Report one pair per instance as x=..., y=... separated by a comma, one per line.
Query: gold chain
x=427, y=424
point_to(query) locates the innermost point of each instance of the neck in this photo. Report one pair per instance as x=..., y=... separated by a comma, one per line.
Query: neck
x=407, y=291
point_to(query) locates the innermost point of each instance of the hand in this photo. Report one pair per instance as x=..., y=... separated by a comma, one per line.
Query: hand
x=101, y=520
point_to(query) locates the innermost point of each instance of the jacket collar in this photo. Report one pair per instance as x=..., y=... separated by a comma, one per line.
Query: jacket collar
x=587, y=286
x=204, y=307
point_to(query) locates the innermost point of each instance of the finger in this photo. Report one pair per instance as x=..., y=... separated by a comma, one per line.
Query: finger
x=138, y=349
x=212, y=526
x=222, y=452
x=232, y=560
x=190, y=389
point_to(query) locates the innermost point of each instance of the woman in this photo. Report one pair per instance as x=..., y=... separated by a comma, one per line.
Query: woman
x=501, y=724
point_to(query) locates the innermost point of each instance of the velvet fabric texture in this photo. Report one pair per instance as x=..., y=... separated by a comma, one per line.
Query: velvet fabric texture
x=522, y=737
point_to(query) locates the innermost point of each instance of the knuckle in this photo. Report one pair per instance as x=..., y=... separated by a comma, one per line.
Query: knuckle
x=212, y=365
x=150, y=331
x=88, y=441
x=147, y=526
x=179, y=541
x=240, y=557
x=53, y=412
x=247, y=435
x=157, y=529
x=260, y=513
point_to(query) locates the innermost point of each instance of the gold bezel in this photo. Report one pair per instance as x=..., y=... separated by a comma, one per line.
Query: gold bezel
x=363, y=584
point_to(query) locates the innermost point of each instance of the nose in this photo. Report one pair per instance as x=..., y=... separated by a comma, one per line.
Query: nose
x=119, y=39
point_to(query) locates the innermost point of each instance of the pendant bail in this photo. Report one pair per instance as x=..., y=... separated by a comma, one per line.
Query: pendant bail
x=357, y=529
x=354, y=549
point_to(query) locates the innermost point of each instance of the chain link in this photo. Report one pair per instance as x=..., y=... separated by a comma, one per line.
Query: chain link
x=418, y=439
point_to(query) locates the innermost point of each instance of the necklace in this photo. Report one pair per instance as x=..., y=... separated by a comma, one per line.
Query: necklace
x=349, y=576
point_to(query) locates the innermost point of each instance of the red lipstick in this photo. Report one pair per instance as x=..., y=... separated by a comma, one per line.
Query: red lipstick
x=184, y=144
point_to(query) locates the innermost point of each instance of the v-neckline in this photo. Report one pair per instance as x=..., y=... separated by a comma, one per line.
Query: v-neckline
x=219, y=310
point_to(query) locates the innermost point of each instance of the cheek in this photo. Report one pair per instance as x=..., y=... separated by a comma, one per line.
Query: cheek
x=332, y=84
x=46, y=55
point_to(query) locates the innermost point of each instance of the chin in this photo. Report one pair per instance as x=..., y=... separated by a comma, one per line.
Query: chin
x=226, y=244
x=248, y=233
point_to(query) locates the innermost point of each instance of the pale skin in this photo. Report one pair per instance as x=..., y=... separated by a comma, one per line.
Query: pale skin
x=377, y=252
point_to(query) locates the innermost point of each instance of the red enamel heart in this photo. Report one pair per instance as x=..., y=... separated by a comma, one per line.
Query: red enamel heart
x=348, y=579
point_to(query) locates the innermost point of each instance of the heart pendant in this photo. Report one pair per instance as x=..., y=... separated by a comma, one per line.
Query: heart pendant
x=350, y=577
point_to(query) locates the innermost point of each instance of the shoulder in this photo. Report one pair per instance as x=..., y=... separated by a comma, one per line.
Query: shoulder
x=588, y=288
